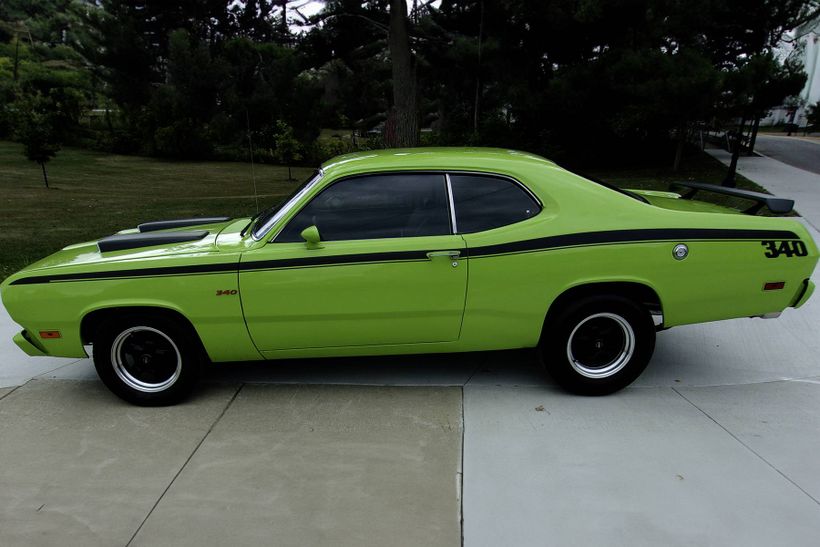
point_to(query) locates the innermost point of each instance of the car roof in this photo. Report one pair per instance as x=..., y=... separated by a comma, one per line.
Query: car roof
x=456, y=158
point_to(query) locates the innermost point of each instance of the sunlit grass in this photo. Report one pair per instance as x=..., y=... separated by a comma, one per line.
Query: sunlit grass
x=94, y=194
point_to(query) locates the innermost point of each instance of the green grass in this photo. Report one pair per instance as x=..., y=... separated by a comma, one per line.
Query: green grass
x=94, y=194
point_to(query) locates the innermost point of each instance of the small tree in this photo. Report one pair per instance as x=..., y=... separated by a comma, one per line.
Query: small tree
x=35, y=129
x=288, y=149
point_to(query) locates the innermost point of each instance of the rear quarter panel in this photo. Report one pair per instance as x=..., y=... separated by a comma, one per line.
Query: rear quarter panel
x=509, y=294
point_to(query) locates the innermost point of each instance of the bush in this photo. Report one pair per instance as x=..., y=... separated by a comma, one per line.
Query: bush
x=183, y=139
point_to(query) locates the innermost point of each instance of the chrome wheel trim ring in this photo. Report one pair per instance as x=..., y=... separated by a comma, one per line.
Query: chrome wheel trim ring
x=614, y=366
x=129, y=379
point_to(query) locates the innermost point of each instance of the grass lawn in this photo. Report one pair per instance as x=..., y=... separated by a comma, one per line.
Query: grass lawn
x=94, y=194
x=699, y=167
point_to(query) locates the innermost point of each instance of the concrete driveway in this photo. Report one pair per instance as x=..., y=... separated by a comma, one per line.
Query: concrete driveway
x=716, y=444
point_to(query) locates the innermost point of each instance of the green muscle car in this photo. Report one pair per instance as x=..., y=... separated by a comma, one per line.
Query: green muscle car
x=415, y=251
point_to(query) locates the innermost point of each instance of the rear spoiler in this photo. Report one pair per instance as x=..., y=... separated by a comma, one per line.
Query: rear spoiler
x=780, y=206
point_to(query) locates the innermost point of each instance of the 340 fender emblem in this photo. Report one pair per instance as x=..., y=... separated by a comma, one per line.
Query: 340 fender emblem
x=230, y=292
x=788, y=248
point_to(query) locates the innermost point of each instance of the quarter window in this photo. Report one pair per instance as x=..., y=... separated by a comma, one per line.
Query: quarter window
x=484, y=202
x=375, y=207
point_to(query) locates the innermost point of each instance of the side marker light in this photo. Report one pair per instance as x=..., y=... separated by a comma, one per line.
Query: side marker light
x=774, y=285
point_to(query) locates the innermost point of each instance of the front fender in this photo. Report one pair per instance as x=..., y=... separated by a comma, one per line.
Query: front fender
x=210, y=302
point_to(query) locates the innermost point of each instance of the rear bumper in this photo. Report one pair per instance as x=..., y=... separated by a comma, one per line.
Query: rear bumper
x=808, y=290
x=24, y=343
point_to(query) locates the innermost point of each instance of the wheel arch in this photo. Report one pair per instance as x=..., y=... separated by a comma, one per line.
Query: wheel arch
x=639, y=292
x=92, y=319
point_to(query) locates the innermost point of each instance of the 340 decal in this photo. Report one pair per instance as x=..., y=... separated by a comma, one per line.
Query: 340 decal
x=788, y=248
x=230, y=292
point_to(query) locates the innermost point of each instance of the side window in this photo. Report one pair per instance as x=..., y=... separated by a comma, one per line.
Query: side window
x=375, y=207
x=483, y=202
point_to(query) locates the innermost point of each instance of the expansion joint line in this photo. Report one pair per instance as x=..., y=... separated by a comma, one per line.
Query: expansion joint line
x=10, y=392
x=747, y=447
x=461, y=470
x=191, y=455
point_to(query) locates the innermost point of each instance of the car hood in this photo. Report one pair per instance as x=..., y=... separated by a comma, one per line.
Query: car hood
x=151, y=244
x=673, y=201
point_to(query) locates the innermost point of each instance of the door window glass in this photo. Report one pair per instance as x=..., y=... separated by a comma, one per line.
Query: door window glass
x=375, y=207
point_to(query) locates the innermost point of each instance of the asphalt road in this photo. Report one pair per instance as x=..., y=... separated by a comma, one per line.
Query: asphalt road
x=795, y=151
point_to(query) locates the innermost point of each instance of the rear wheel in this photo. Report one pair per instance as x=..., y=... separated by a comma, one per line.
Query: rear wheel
x=598, y=345
x=147, y=360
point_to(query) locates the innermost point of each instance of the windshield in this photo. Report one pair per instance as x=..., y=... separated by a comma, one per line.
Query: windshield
x=269, y=217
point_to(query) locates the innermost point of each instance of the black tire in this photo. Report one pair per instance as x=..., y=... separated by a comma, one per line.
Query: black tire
x=598, y=345
x=148, y=360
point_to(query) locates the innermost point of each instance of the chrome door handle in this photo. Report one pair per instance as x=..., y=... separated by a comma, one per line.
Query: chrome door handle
x=448, y=254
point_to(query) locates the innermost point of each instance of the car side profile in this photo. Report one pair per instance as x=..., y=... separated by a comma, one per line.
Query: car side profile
x=415, y=251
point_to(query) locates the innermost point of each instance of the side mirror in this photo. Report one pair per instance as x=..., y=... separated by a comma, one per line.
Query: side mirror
x=312, y=238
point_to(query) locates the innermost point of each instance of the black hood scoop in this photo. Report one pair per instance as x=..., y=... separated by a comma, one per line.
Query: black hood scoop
x=120, y=242
x=179, y=223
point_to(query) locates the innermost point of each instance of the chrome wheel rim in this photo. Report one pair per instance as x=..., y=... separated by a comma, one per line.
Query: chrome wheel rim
x=601, y=345
x=146, y=359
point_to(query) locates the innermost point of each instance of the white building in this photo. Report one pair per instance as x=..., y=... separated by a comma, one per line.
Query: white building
x=808, y=38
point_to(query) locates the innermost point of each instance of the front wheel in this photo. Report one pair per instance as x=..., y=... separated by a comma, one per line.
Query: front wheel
x=598, y=345
x=147, y=360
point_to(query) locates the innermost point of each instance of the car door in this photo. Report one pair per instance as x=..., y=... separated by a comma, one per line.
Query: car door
x=388, y=270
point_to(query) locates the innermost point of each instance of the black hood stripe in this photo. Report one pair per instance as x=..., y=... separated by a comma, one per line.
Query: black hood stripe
x=140, y=272
x=541, y=244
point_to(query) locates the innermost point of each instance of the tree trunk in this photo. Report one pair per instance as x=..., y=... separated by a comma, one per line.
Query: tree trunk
x=680, y=147
x=108, y=121
x=403, y=118
x=478, y=72
x=730, y=176
x=736, y=146
x=16, y=56
x=283, y=24
x=753, y=138
x=45, y=176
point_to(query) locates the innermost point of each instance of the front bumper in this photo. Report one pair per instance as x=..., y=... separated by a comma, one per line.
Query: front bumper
x=24, y=343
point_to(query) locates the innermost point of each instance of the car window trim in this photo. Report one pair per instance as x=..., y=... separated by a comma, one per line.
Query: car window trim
x=368, y=174
x=450, y=200
x=451, y=204
x=287, y=207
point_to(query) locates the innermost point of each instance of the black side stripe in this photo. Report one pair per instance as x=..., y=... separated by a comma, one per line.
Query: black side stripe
x=540, y=244
x=630, y=236
x=397, y=256
x=394, y=256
